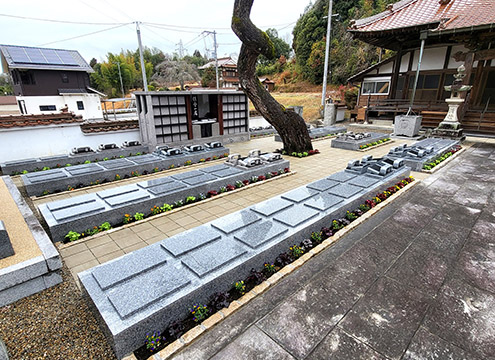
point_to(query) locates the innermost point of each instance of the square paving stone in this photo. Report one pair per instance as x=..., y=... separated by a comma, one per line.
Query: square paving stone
x=413, y=216
x=463, y=315
x=253, y=344
x=476, y=264
x=124, y=268
x=426, y=345
x=212, y=256
x=235, y=221
x=345, y=190
x=167, y=188
x=338, y=345
x=299, y=194
x=271, y=206
x=190, y=240
x=387, y=317
x=455, y=214
x=323, y=201
x=302, y=321
x=295, y=215
x=363, y=181
x=342, y=176
x=391, y=235
x=196, y=180
x=322, y=185
x=260, y=232
x=423, y=269
x=146, y=288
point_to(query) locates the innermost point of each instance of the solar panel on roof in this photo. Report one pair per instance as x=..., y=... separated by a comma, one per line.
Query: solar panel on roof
x=67, y=58
x=35, y=56
x=18, y=55
x=52, y=57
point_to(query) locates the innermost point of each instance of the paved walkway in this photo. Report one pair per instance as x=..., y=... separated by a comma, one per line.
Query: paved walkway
x=85, y=254
x=416, y=281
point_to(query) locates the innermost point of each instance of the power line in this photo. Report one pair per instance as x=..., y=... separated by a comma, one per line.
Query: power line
x=57, y=21
x=150, y=30
x=79, y=36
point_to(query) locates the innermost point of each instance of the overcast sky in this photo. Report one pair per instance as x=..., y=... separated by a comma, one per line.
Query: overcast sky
x=173, y=20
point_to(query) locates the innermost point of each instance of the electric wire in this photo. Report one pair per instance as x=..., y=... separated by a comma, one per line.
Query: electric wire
x=58, y=21
x=80, y=36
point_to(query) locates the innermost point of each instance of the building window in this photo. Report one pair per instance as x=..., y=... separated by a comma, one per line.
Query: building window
x=375, y=87
x=48, y=108
x=80, y=105
x=27, y=78
x=65, y=78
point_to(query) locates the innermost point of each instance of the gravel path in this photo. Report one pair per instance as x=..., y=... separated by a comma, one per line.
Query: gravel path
x=53, y=324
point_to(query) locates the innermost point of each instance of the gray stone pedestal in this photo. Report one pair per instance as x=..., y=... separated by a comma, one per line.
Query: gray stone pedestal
x=6, y=249
x=407, y=125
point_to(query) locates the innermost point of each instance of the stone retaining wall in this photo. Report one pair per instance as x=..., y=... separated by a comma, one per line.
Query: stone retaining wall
x=145, y=290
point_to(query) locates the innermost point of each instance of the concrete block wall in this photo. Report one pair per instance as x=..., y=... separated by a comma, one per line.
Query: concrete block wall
x=60, y=179
x=147, y=289
x=33, y=275
x=85, y=211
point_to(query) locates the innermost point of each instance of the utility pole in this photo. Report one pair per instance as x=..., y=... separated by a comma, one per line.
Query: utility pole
x=327, y=51
x=143, y=70
x=120, y=77
x=216, y=55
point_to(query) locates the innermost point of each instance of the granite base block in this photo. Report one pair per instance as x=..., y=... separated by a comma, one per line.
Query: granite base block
x=316, y=133
x=439, y=146
x=22, y=290
x=350, y=144
x=85, y=211
x=18, y=166
x=6, y=248
x=150, y=287
x=61, y=179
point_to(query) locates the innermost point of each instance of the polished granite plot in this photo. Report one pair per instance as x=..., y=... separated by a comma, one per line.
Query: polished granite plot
x=315, y=133
x=422, y=152
x=49, y=181
x=211, y=257
x=85, y=211
x=354, y=141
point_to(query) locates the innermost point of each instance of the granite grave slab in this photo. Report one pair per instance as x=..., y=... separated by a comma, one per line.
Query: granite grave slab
x=85, y=211
x=352, y=141
x=315, y=133
x=210, y=257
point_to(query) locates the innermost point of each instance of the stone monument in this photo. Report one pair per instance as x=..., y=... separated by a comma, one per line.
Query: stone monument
x=6, y=249
x=450, y=127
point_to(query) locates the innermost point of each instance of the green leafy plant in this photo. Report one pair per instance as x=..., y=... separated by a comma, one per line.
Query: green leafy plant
x=67, y=165
x=46, y=168
x=87, y=162
x=187, y=163
x=199, y=312
x=178, y=203
x=202, y=196
x=153, y=340
x=105, y=159
x=316, y=237
x=138, y=216
x=155, y=170
x=105, y=226
x=269, y=268
x=190, y=199
x=25, y=171
x=117, y=177
x=134, y=173
x=350, y=215
x=239, y=184
x=166, y=207
x=296, y=251
x=240, y=287
x=46, y=192
x=155, y=210
x=336, y=225
x=72, y=236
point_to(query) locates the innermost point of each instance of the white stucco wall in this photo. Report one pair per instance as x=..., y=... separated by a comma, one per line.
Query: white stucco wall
x=38, y=141
x=92, y=105
x=386, y=68
x=405, y=62
x=433, y=59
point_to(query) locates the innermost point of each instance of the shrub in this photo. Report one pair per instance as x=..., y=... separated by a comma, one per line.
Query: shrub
x=138, y=216
x=72, y=236
x=190, y=199
x=166, y=207
x=105, y=226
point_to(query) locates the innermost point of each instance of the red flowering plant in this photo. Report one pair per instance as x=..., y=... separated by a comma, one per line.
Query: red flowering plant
x=211, y=193
x=245, y=182
x=261, y=177
x=230, y=187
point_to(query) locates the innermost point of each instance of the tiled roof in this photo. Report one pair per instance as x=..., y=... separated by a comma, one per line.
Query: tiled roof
x=222, y=62
x=12, y=121
x=109, y=125
x=441, y=14
x=8, y=100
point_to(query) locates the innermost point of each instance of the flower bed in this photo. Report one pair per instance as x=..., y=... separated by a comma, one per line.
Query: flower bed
x=299, y=155
x=155, y=341
x=158, y=209
x=429, y=166
x=375, y=143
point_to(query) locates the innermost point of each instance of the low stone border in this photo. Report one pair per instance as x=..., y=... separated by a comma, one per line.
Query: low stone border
x=445, y=162
x=325, y=138
x=377, y=146
x=120, y=182
x=187, y=206
x=195, y=332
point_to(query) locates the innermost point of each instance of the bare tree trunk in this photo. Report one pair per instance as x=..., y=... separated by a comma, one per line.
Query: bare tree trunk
x=289, y=125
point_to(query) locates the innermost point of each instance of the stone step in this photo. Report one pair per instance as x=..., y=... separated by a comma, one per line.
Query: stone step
x=146, y=290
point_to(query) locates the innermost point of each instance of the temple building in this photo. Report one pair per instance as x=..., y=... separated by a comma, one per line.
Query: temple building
x=440, y=35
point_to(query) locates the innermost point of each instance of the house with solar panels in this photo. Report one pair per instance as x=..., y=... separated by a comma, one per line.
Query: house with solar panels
x=433, y=37
x=50, y=80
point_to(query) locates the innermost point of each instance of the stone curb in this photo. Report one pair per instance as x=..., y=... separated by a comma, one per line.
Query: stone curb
x=125, y=226
x=195, y=332
x=445, y=162
x=120, y=182
x=376, y=146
